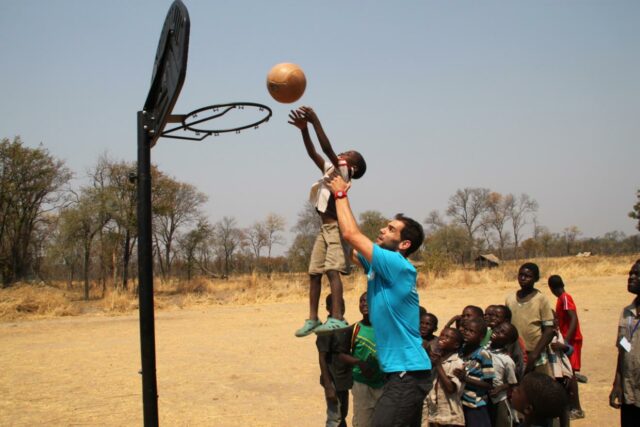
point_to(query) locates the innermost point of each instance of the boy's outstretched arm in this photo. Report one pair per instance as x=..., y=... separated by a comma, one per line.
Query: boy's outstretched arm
x=312, y=117
x=297, y=119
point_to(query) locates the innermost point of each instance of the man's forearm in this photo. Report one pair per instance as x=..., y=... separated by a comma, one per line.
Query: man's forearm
x=350, y=231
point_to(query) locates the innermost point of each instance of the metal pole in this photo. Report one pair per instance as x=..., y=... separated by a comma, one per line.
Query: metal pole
x=145, y=278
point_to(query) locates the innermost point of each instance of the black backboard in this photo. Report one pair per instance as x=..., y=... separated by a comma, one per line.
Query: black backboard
x=169, y=69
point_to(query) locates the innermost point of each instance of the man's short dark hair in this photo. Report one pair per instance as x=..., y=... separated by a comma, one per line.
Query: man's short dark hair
x=547, y=397
x=412, y=231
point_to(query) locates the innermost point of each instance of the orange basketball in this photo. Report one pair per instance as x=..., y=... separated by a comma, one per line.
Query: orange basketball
x=286, y=82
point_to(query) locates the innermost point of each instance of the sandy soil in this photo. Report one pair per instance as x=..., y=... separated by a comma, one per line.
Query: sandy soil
x=235, y=365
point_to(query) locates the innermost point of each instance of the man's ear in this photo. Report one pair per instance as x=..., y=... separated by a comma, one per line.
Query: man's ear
x=404, y=245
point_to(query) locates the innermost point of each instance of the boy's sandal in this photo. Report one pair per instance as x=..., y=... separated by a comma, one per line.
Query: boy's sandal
x=330, y=326
x=308, y=327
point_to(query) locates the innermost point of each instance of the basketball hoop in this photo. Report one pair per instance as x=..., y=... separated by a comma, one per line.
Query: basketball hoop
x=190, y=122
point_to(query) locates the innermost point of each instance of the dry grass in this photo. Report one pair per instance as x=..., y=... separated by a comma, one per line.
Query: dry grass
x=35, y=301
x=26, y=301
x=567, y=267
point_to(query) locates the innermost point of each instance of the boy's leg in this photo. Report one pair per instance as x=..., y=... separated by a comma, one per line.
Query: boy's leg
x=343, y=398
x=337, y=301
x=315, y=289
x=315, y=282
x=333, y=413
x=316, y=268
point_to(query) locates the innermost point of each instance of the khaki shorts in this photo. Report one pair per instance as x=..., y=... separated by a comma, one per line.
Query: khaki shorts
x=329, y=252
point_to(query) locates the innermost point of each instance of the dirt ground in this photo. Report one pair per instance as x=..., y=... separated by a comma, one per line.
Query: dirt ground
x=236, y=365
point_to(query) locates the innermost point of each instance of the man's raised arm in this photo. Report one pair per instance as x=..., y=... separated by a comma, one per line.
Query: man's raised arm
x=347, y=222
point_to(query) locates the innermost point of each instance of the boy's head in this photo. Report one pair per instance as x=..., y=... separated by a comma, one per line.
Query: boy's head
x=489, y=316
x=428, y=324
x=423, y=310
x=474, y=331
x=450, y=340
x=356, y=163
x=556, y=285
x=528, y=275
x=363, y=306
x=633, y=283
x=329, y=303
x=472, y=312
x=539, y=397
x=503, y=335
x=501, y=314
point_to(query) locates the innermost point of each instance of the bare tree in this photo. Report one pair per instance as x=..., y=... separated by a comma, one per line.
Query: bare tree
x=192, y=242
x=466, y=208
x=570, y=234
x=273, y=227
x=518, y=210
x=176, y=204
x=257, y=237
x=434, y=220
x=228, y=238
x=496, y=217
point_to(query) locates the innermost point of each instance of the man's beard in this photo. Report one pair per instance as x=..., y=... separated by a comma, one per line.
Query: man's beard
x=390, y=246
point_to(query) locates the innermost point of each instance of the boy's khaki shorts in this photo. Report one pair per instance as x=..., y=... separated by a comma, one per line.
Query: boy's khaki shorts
x=329, y=252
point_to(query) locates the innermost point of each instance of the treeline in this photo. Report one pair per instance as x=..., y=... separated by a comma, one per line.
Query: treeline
x=480, y=221
x=51, y=231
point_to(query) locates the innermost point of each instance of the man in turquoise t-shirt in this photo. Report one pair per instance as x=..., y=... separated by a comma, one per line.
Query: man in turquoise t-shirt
x=393, y=309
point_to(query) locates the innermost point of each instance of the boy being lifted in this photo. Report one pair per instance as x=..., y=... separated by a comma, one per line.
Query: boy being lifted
x=329, y=255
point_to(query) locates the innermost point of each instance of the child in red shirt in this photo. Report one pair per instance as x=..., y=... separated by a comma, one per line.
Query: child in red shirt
x=569, y=326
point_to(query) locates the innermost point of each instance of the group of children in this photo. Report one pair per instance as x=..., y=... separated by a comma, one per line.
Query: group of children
x=481, y=379
x=482, y=372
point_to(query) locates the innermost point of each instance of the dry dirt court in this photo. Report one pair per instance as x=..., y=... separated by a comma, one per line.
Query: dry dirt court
x=236, y=365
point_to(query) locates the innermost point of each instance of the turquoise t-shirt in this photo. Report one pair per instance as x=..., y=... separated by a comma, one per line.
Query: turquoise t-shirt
x=394, y=311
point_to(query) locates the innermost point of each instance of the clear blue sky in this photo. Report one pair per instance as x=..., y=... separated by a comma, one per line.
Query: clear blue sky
x=540, y=97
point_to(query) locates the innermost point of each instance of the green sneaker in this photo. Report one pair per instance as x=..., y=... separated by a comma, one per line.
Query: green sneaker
x=308, y=327
x=330, y=326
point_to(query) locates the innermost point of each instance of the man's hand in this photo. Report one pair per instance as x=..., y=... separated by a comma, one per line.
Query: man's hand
x=336, y=183
x=298, y=119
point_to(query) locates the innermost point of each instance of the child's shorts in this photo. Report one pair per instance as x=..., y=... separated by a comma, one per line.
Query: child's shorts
x=329, y=252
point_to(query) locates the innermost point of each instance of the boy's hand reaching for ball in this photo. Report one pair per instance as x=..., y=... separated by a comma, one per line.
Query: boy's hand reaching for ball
x=297, y=119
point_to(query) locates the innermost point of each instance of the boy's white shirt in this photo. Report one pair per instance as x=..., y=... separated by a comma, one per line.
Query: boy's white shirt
x=320, y=191
x=505, y=372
